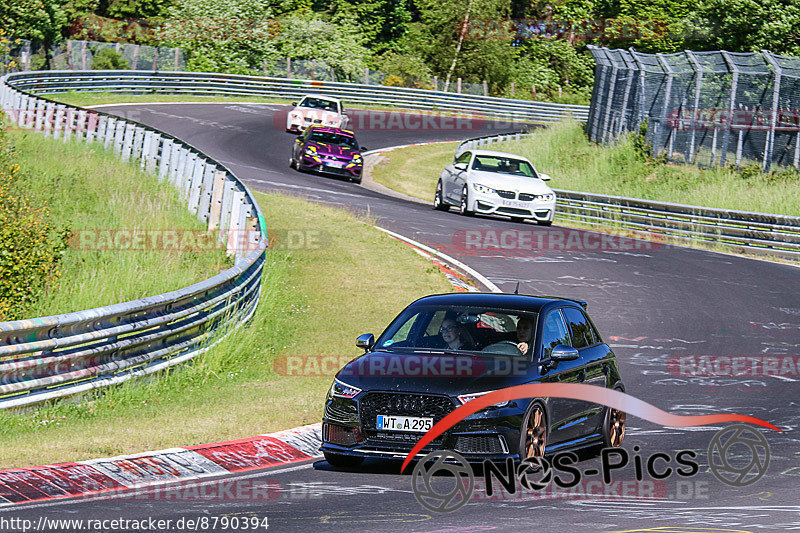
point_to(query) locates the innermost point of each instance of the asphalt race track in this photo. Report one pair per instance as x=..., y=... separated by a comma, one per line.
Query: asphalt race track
x=652, y=303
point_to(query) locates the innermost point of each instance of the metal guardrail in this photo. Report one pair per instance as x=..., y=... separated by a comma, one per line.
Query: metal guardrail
x=206, y=84
x=51, y=357
x=743, y=231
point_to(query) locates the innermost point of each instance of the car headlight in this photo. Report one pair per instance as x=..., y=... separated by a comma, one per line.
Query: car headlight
x=356, y=158
x=341, y=389
x=311, y=152
x=482, y=188
x=464, y=398
x=548, y=196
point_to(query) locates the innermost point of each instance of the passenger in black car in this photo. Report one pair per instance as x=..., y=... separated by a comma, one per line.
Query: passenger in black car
x=455, y=336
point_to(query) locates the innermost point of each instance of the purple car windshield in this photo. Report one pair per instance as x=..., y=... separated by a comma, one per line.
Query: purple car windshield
x=327, y=137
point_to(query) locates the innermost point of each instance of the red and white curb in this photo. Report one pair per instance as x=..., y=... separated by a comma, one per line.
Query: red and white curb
x=149, y=469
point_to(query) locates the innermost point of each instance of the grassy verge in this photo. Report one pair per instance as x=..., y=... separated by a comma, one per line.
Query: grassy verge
x=322, y=288
x=93, y=195
x=574, y=163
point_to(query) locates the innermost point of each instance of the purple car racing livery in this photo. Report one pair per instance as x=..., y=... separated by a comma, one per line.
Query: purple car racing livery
x=328, y=150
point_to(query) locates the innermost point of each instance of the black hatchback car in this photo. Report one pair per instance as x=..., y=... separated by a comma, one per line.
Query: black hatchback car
x=445, y=350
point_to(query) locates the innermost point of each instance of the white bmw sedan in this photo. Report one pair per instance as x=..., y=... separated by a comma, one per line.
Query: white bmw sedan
x=487, y=182
x=318, y=110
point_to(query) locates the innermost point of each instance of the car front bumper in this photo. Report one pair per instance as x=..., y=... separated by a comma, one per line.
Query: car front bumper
x=492, y=204
x=351, y=170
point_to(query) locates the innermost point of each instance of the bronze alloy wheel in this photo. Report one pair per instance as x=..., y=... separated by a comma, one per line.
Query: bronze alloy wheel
x=616, y=428
x=535, y=432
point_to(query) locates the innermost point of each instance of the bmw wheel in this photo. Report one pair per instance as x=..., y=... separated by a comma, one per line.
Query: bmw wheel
x=438, y=202
x=463, y=207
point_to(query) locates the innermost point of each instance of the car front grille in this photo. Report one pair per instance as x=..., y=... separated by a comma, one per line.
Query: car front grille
x=481, y=444
x=386, y=403
x=513, y=211
x=508, y=195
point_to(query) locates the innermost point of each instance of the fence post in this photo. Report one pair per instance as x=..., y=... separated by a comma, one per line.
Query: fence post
x=628, y=84
x=313, y=69
x=177, y=56
x=609, y=101
x=731, y=107
x=512, y=89
x=83, y=55
x=288, y=68
x=135, y=57
x=436, y=83
x=458, y=84
x=366, y=75
x=698, y=85
x=70, y=66
x=485, y=88
x=769, y=145
x=665, y=108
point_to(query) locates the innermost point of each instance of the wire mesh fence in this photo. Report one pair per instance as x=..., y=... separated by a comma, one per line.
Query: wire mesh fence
x=705, y=108
x=24, y=55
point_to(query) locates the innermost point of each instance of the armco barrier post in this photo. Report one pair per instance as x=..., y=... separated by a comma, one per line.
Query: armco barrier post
x=22, y=110
x=80, y=125
x=49, y=112
x=92, y=121
x=235, y=228
x=185, y=178
x=41, y=107
x=166, y=160
x=144, y=153
x=179, y=155
x=152, y=156
x=69, y=117
x=138, y=144
x=127, y=142
x=119, y=136
x=225, y=214
x=195, y=185
x=215, y=209
x=108, y=133
x=58, y=122
x=205, y=192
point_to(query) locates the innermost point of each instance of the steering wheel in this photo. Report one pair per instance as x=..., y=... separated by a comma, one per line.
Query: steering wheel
x=503, y=348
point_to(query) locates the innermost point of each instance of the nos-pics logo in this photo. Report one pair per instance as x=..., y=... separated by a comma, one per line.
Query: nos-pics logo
x=738, y=455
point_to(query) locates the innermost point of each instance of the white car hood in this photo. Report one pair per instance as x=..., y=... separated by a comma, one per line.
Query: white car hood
x=318, y=114
x=507, y=182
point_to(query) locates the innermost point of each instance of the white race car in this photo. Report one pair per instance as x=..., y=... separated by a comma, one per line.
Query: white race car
x=316, y=109
x=487, y=182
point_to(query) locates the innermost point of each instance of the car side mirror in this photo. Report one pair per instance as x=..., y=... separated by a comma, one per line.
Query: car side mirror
x=460, y=166
x=563, y=353
x=560, y=353
x=364, y=149
x=294, y=104
x=545, y=177
x=366, y=341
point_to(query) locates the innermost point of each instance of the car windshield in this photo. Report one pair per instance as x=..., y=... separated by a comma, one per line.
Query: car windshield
x=503, y=165
x=448, y=329
x=329, y=137
x=319, y=103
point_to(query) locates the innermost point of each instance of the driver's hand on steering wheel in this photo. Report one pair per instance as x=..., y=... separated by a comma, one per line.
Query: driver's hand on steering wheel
x=522, y=347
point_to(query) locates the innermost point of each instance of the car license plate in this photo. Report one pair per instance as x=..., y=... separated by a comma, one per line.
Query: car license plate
x=513, y=203
x=404, y=423
x=334, y=164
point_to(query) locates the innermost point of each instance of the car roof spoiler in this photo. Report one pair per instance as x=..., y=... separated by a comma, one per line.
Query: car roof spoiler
x=579, y=302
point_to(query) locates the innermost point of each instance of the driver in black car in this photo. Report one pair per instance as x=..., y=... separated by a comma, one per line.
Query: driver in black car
x=524, y=330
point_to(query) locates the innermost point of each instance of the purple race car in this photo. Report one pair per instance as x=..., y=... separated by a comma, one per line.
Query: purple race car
x=328, y=150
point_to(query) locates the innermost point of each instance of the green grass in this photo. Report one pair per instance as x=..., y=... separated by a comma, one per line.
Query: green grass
x=95, y=191
x=319, y=292
x=563, y=151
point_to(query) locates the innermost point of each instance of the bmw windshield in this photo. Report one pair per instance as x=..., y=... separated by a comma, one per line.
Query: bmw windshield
x=503, y=165
x=448, y=329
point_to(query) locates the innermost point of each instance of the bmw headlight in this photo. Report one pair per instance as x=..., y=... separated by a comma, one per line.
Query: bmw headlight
x=482, y=188
x=311, y=152
x=341, y=389
x=357, y=158
x=547, y=197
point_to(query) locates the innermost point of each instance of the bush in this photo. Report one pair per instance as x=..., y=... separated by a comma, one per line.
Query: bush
x=109, y=59
x=30, y=246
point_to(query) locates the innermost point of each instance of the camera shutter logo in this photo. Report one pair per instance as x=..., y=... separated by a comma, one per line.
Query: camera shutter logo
x=461, y=482
x=738, y=455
